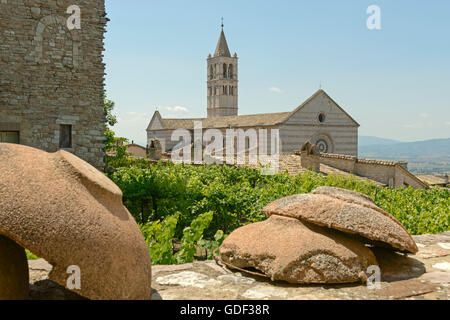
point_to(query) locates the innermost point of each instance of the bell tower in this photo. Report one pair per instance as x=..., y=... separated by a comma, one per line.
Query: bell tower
x=222, y=81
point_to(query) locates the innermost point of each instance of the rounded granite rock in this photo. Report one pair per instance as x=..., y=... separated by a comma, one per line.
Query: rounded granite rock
x=346, y=211
x=64, y=210
x=288, y=249
x=13, y=271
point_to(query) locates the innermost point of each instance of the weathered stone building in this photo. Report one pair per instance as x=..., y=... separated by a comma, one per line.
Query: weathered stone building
x=52, y=75
x=136, y=151
x=319, y=119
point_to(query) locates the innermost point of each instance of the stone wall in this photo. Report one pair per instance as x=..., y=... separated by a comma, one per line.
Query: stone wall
x=405, y=178
x=340, y=161
x=391, y=173
x=52, y=76
x=339, y=139
x=136, y=151
x=310, y=161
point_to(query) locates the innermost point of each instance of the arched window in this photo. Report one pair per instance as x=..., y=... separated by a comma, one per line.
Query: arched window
x=321, y=117
x=230, y=71
x=211, y=72
x=224, y=70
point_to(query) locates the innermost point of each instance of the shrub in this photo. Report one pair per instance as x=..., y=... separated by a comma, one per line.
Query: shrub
x=235, y=196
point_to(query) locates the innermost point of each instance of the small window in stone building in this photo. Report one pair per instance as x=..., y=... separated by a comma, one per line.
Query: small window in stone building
x=65, y=136
x=322, y=117
x=9, y=136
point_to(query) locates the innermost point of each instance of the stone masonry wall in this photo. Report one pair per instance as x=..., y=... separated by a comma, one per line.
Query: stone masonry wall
x=391, y=173
x=403, y=177
x=50, y=75
x=343, y=162
x=381, y=173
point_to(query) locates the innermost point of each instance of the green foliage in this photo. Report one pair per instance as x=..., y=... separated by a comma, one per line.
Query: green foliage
x=158, y=236
x=108, y=106
x=237, y=195
x=212, y=245
x=154, y=192
x=30, y=255
x=191, y=235
x=116, y=151
x=115, y=147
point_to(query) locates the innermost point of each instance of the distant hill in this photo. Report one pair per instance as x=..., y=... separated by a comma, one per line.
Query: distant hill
x=427, y=157
x=372, y=141
x=411, y=149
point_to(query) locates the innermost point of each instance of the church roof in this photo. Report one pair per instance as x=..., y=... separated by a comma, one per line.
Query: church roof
x=241, y=121
x=248, y=120
x=222, y=47
x=318, y=92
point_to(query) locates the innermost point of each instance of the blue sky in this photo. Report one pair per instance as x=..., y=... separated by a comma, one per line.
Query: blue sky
x=395, y=81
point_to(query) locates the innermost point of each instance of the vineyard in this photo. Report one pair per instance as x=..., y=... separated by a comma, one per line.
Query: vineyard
x=190, y=207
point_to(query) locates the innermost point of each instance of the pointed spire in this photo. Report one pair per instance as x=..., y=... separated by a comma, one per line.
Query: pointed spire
x=222, y=46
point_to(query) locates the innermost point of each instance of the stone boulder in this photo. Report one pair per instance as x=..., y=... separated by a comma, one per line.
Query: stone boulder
x=288, y=249
x=64, y=210
x=13, y=271
x=320, y=237
x=346, y=211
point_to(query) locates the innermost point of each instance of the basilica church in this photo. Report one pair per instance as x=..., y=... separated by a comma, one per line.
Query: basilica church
x=319, y=119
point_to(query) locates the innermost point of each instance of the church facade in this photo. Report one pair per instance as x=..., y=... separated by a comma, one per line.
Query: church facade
x=319, y=119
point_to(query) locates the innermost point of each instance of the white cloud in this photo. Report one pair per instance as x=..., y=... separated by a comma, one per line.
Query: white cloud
x=424, y=115
x=275, y=89
x=447, y=123
x=172, y=111
x=175, y=109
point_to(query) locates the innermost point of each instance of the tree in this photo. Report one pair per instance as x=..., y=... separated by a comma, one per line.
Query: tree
x=115, y=148
x=108, y=106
